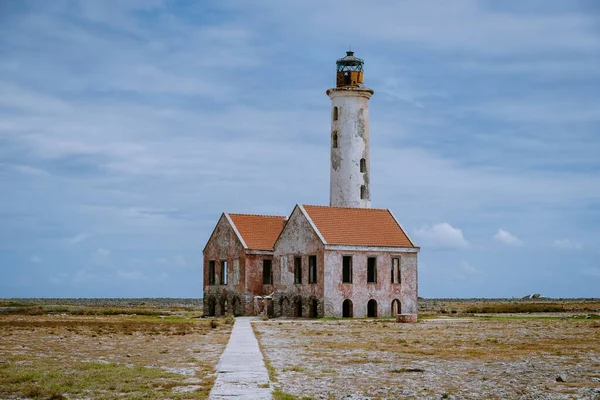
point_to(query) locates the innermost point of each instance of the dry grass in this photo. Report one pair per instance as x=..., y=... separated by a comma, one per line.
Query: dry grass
x=484, y=306
x=491, y=358
x=107, y=357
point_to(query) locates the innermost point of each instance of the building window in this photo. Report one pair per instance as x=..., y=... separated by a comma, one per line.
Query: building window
x=298, y=270
x=335, y=113
x=363, y=192
x=312, y=269
x=211, y=272
x=223, y=272
x=363, y=165
x=267, y=273
x=334, y=140
x=396, y=277
x=347, y=269
x=371, y=270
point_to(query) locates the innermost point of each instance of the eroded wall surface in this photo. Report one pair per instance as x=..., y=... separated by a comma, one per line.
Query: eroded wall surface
x=231, y=298
x=297, y=240
x=352, y=130
x=359, y=292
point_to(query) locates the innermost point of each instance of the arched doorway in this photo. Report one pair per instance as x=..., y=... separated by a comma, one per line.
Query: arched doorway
x=314, y=308
x=211, y=306
x=221, y=306
x=284, y=307
x=236, y=305
x=372, y=309
x=396, y=308
x=298, y=307
x=347, y=311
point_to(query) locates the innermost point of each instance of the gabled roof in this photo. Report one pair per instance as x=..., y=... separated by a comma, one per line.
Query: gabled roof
x=258, y=232
x=357, y=226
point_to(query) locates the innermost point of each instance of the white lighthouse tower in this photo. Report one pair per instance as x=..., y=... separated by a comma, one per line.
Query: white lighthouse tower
x=350, y=158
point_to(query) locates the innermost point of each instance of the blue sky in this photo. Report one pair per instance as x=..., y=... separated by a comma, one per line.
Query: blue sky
x=128, y=127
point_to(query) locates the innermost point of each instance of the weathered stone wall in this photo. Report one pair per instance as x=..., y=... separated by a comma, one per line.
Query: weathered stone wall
x=297, y=240
x=232, y=298
x=352, y=129
x=360, y=292
x=410, y=284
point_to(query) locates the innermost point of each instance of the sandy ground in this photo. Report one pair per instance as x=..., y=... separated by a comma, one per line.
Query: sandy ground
x=108, y=356
x=455, y=358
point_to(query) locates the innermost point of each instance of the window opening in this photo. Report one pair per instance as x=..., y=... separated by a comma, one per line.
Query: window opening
x=396, y=277
x=372, y=270
x=363, y=165
x=267, y=272
x=312, y=269
x=298, y=270
x=223, y=272
x=211, y=272
x=347, y=269
x=372, y=309
x=363, y=192
x=335, y=140
x=335, y=113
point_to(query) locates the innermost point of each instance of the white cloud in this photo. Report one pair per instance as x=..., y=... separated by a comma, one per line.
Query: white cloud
x=442, y=235
x=77, y=238
x=507, y=238
x=35, y=259
x=100, y=257
x=132, y=275
x=177, y=261
x=60, y=278
x=567, y=244
x=466, y=267
x=83, y=276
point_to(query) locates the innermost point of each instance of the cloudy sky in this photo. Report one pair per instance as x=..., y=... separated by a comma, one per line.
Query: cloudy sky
x=128, y=127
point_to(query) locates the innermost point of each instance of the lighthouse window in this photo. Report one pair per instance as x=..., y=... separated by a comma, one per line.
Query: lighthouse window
x=335, y=140
x=363, y=192
x=335, y=113
x=363, y=165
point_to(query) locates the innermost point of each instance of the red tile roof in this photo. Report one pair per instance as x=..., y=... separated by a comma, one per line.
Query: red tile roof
x=258, y=231
x=358, y=226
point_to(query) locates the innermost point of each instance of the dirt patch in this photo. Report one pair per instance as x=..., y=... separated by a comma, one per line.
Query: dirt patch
x=492, y=358
x=107, y=357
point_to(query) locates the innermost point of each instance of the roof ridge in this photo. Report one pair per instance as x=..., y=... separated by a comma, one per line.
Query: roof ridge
x=258, y=215
x=351, y=208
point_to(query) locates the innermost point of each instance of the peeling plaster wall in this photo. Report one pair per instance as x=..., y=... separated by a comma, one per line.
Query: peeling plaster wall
x=243, y=272
x=297, y=239
x=352, y=128
x=360, y=292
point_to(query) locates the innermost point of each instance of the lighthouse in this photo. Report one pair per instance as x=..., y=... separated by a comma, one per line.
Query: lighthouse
x=350, y=151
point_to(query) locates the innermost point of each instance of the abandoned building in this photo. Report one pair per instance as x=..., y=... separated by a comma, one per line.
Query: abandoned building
x=342, y=260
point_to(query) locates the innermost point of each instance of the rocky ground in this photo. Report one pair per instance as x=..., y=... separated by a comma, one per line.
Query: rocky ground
x=492, y=357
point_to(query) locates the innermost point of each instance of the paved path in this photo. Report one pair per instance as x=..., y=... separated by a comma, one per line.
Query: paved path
x=241, y=370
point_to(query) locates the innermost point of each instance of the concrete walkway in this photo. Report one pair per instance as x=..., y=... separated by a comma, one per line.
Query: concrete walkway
x=241, y=372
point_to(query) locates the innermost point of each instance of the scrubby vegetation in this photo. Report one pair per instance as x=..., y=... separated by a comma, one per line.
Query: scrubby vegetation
x=65, y=348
